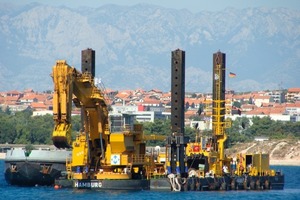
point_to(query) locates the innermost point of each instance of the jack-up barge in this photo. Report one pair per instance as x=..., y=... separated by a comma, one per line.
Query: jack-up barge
x=105, y=157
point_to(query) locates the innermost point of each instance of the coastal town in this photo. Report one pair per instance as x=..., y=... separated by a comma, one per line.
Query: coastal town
x=283, y=105
x=146, y=106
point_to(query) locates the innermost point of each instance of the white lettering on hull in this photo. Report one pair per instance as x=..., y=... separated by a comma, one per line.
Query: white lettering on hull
x=85, y=184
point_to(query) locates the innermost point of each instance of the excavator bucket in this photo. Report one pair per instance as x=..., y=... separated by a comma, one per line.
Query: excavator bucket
x=61, y=136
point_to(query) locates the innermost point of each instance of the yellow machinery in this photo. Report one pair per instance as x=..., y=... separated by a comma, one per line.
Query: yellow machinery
x=102, y=158
x=211, y=150
x=96, y=152
x=207, y=165
x=254, y=165
x=206, y=155
x=157, y=157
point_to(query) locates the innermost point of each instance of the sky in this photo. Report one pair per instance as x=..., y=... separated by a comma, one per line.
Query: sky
x=192, y=5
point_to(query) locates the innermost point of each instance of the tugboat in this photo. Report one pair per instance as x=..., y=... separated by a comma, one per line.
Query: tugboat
x=35, y=167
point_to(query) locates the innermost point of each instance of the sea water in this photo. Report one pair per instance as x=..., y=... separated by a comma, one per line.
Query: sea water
x=291, y=191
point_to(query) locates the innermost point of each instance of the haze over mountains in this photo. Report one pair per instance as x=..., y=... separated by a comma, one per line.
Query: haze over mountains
x=133, y=45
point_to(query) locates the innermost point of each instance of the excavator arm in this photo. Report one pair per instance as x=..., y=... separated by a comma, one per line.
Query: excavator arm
x=69, y=84
x=62, y=75
x=96, y=153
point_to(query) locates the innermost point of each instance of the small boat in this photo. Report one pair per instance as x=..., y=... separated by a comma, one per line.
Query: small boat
x=36, y=167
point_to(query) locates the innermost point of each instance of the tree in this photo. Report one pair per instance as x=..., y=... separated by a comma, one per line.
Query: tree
x=7, y=110
x=158, y=127
x=238, y=132
x=22, y=128
x=187, y=105
x=237, y=104
x=194, y=95
x=190, y=132
x=200, y=110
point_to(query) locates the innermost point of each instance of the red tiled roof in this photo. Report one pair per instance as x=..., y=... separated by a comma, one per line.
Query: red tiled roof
x=277, y=105
x=293, y=105
x=294, y=90
x=150, y=101
x=259, y=110
x=29, y=96
x=242, y=96
x=277, y=110
x=122, y=95
x=248, y=106
x=11, y=98
x=39, y=97
x=14, y=92
x=266, y=111
x=261, y=97
x=190, y=113
x=193, y=100
x=36, y=105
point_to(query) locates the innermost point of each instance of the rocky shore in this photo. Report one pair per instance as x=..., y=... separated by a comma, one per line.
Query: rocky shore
x=282, y=152
x=286, y=162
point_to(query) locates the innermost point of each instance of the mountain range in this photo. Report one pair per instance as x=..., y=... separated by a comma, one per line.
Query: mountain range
x=133, y=45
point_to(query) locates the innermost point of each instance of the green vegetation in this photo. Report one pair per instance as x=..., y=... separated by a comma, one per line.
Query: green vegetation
x=22, y=128
x=162, y=127
x=242, y=130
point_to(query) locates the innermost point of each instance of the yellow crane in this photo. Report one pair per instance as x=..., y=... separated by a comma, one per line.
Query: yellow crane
x=100, y=158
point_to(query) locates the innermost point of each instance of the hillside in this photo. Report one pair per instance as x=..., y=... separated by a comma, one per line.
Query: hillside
x=282, y=152
x=133, y=45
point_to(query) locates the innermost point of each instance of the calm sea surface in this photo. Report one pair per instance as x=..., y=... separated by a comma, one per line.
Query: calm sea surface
x=291, y=191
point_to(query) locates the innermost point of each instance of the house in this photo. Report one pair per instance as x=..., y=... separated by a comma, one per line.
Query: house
x=260, y=100
x=38, y=106
x=192, y=103
x=28, y=99
x=150, y=102
x=293, y=94
x=248, y=107
x=14, y=93
x=11, y=100
x=190, y=113
x=241, y=98
x=293, y=108
x=155, y=92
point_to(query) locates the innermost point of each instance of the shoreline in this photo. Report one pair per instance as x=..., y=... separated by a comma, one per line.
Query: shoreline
x=277, y=162
x=285, y=162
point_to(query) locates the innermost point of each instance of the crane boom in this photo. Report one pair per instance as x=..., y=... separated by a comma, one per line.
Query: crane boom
x=99, y=152
x=62, y=98
x=68, y=82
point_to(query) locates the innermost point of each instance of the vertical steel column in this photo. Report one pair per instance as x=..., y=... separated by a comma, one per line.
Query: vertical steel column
x=218, y=114
x=87, y=66
x=88, y=61
x=177, y=91
x=177, y=140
